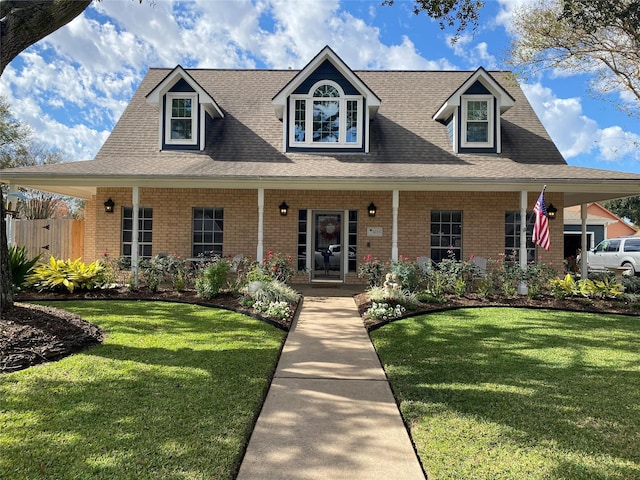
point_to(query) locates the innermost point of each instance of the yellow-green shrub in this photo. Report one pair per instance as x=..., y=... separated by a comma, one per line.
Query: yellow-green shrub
x=72, y=275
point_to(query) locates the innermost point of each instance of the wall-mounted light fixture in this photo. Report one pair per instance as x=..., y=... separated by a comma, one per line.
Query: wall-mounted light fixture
x=551, y=212
x=372, y=209
x=284, y=209
x=108, y=206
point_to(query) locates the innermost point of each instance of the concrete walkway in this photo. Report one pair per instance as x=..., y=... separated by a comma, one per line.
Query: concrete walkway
x=329, y=413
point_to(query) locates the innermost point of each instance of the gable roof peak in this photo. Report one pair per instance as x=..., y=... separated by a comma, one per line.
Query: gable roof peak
x=504, y=98
x=326, y=54
x=154, y=97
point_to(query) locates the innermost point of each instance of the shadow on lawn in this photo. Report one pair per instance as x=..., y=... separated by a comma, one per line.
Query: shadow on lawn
x=129, y=411
x=565, y=380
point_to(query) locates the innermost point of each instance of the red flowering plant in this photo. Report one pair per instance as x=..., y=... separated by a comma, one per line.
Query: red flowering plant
x=372, y=270
x=408, y=272
x=278, y=267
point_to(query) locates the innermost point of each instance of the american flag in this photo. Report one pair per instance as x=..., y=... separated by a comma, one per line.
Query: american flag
x=541, y=225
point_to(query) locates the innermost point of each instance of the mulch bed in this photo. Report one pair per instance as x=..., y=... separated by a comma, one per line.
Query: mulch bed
x=451, y=302
x=33, y=334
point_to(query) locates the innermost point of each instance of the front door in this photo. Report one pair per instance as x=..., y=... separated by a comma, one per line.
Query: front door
x=327, y=246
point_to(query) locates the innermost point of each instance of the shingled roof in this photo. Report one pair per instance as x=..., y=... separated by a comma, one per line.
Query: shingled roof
x=408, y=149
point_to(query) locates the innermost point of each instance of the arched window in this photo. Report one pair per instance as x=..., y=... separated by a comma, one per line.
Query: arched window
x=326, y=117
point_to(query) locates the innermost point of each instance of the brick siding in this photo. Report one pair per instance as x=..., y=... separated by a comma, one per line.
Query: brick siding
x=482, y=234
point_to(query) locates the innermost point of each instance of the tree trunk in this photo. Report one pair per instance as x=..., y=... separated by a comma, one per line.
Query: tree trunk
x=24, y=22
x=6, y=282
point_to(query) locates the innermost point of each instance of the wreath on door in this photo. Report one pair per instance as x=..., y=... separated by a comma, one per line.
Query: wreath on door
x=329, y=228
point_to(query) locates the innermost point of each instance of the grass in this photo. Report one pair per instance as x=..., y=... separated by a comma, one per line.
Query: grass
x=504, y=393
x=172, y=393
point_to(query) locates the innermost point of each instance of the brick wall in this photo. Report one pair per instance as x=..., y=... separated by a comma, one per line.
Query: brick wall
x=483, y=220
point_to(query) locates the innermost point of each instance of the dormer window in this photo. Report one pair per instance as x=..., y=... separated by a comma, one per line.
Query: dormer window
x=184, y=108
x=472, y=114
x=326, y=107
x=477, y=121
x=181, y=119
x=326, y=117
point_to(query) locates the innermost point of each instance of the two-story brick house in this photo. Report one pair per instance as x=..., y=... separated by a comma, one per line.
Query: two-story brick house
x=380, y=163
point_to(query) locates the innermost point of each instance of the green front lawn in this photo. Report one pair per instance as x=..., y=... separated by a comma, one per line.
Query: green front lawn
x=505, y=393
x=172, y=393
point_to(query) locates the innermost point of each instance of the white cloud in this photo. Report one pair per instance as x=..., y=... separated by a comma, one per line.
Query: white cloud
x=474, y=56
x=576, y=134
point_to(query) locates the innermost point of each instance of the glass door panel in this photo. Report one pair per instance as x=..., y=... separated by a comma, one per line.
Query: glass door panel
x=327, y=246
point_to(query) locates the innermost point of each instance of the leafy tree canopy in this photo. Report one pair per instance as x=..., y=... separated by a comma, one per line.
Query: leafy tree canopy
x=625, y=208
x=597, y=37
x=449, y=13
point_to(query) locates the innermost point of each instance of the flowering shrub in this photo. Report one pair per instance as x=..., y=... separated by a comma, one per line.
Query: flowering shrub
x=538, y=277
x=505, y=274
x=278, y=267
x=409, y=273
x=384, y=311
x=450, y=276
x=372, y=270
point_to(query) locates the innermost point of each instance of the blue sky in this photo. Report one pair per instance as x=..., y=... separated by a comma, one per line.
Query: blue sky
x=72, y=86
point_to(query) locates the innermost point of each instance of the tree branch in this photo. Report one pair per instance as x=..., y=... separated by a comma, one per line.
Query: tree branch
x=25, y=22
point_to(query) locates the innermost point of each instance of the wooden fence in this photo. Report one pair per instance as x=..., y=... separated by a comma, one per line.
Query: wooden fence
x=62, y=238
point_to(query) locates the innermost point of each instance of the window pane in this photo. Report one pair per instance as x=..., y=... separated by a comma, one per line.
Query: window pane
x=477, y=132
x=181, y=129
x=145, y=231
x=300, y=121
x=446, y=234
x=207, y=231
x=477, y=110
x=512, y=236
x=326, y=121
x=352, y=121
x=181, y=107
x=326, y=91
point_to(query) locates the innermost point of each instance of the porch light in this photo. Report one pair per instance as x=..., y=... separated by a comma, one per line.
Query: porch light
x=284, y=209
x=372, y=209
x=108, y=206
x=551, y=212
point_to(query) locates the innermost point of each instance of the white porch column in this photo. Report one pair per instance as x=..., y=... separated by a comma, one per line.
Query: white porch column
x=584, y=247
x=12, y=197
x=260, y=249
x=135, y=198
x=523, y=289
x=394, y=228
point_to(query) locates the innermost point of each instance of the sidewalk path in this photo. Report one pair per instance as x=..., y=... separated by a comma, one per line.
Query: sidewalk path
x=329, y=413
